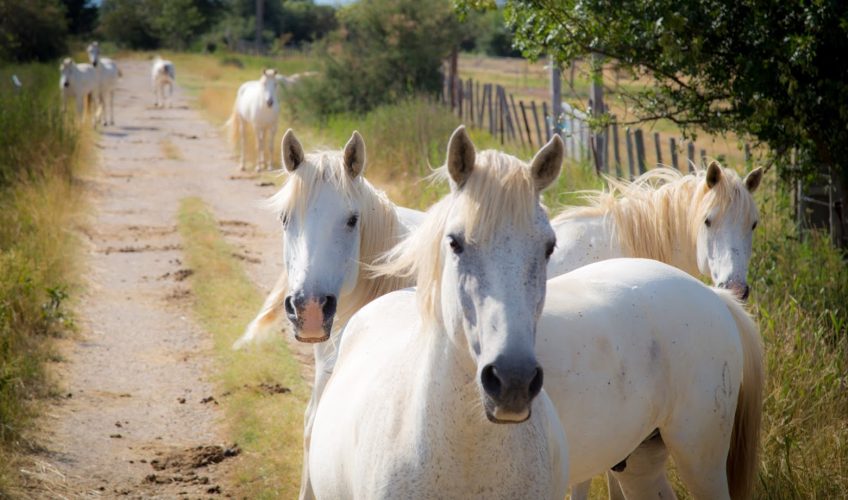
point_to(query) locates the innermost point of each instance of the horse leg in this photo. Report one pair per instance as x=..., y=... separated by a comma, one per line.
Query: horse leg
x=644, y=473
x=324, y=362
x=241, y=141
x=699, y=440
x=260, y=147
x=112, y=107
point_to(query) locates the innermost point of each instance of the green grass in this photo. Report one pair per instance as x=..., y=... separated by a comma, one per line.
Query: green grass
x=40, y=153
x=268, y=428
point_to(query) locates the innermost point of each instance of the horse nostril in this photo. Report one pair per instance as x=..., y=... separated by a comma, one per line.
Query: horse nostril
x=536, y=383
x=329, y=307
x=490, y=381
x=289, y=306
x=270, y=102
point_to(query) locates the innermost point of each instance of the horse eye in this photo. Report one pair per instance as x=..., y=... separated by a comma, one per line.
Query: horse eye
x=754, y=226
x=550, y=249
x=455, y=245
x=351, y=222
x=284, y=217
x=707, y=222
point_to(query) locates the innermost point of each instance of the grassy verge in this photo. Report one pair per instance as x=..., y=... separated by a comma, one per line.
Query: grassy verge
x=269, y=428
x=40, y=153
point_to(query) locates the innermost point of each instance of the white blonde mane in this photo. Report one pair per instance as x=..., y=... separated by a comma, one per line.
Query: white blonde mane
x=499, y=191
x=380, y=229
x=663, y=208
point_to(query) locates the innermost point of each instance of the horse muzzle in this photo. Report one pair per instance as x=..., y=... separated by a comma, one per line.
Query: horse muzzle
x=312, y=317
x=509, y=389
x=741, y=290
x=270, y=102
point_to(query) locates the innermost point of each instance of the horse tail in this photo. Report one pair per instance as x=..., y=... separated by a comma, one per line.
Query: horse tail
x=260, y=328
x=742, y=459
x=234, y=124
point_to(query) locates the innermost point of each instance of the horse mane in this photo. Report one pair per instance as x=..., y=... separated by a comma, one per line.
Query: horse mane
x=380, y=228
x=661, y=208
x=499, y=191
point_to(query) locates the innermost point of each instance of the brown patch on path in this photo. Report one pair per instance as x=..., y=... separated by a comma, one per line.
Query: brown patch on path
x=139, y=350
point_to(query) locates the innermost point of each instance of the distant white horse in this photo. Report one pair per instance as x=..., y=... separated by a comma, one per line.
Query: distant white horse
x=79, y=81
x=162, y=74
x=258, y=105
x=702, y=223
x=289, y=80
x=435, y=401
x=333, y=219
x=632, y=348
x=107, y=81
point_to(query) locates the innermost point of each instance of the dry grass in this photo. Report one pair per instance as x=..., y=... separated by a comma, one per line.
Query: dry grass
x=269, y=428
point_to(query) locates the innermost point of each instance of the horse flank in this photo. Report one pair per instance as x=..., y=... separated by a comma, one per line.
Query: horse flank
x=380, y=230
x=500, y=186
x=661, y=208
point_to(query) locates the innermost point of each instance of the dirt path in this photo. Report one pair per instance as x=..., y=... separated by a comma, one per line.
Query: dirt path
x=135, y=380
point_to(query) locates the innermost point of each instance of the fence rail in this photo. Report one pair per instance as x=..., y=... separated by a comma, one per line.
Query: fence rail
x=490, y=107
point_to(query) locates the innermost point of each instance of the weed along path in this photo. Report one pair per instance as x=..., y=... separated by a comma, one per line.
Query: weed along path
x=153, y=403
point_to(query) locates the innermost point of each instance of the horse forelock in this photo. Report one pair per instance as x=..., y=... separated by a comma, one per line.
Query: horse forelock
x=500, y=191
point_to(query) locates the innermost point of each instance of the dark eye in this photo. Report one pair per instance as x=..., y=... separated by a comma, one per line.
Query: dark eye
x=754, y=226
x=284, y=217
x=352, y=220
x=455, y=245
x=708, y=223
x=550, y=249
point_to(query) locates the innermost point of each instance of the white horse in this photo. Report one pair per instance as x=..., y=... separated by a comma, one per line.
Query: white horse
x=634, y=348
x=162, y=74
x=702, y=223
x=289, y=80
x=78, y=81
x=333, y=219
x=257, y=104
x=440, y=400
x=107, y=81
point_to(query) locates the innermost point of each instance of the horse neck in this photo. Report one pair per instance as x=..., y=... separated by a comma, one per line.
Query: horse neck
x=657, y=227
x=369, y=287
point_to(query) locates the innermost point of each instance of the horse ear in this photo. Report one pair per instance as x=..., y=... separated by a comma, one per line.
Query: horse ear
x=354, y=155
x=461, y=157
x=713, y=174
x=547, y=163
x=752, y=180
x=292, y=151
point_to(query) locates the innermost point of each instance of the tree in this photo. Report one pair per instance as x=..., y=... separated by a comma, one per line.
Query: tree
x=383, y=51
x=150, y=24
x=32, y=30
x=81, y=15
x=774, y=70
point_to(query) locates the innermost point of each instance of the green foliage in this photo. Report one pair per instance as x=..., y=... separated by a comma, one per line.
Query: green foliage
x=150, y=24
x=489, y=35
x=81, y=15
x=32, y=30
x=384, y=51
x=775, y=70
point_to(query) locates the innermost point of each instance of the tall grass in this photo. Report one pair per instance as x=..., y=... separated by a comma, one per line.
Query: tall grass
x=39, y=151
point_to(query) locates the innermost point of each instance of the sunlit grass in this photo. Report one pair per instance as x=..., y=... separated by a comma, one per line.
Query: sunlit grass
x=268, y=427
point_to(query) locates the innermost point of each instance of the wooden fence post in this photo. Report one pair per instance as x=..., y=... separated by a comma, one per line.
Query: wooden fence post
x=526, y=125
x=703, y=158
x=628, y=139
x=672, y=148
x=547, y=120
x=658, y=146
x=480, y=102
x=615, y=149
x=500, y=116
x=640, y=150
x=517, y=120
x=471, y=101
x=536, y=121
x=747, y=148
x=491, y=109
x=459, y=86
x=690, y=155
